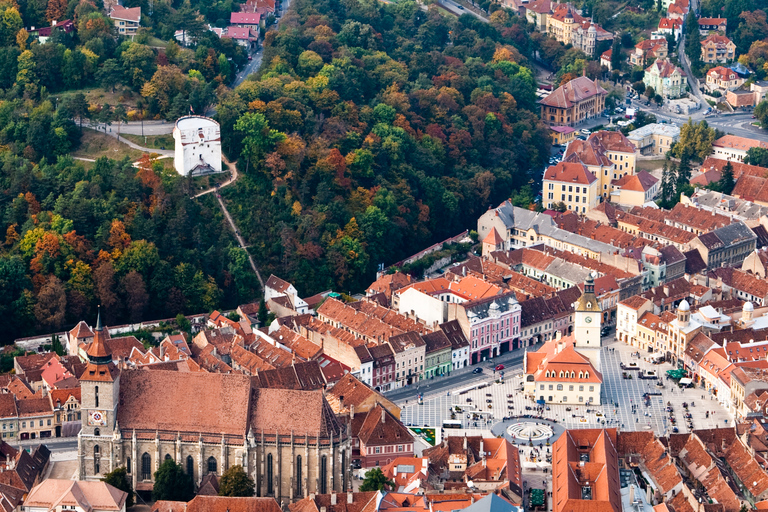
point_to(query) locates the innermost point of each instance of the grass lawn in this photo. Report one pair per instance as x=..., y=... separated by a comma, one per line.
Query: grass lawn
x=94, y=145
x=152, y=141
x=98, y=95
x=649, y=165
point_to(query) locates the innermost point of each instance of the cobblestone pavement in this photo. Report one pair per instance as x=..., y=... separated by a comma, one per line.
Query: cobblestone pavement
x=619, y=396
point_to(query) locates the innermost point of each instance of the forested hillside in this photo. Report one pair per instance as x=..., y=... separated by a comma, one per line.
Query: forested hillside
x=374, y=130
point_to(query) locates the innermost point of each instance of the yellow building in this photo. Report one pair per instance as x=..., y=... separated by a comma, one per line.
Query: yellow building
x=558, y=374
x=717, y=48
x=572, y=184
x=562, y=134
x=573, y=102
x=607, y=155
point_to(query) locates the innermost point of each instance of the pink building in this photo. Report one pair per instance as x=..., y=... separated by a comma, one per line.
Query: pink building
x=383, y=367
x=494, y=326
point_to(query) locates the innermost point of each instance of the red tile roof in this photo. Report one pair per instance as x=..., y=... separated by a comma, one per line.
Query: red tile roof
x=573, y=92
x=121, y=13
x=570, y=172
x=244, y=18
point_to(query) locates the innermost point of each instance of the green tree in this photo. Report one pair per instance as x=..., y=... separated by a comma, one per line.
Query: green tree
x=118, y=478
x=616, y=59
x=693, y=46
x=757, y=156
x=726, y=183
x=650, y=92
x=761, y=113
x=110, y=74
x=376, y=481
x=257, y=137
x=183, y=323
x=262, y=313
x=172, y=483
x=236, y=482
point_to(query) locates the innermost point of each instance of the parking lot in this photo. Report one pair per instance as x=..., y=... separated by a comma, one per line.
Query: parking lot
x=623, y=404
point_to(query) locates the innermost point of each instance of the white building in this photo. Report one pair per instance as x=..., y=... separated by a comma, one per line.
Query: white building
x=276, y=288
x=198, y=146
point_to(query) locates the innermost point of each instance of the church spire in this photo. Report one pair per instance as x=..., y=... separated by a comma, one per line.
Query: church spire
x=98, y=352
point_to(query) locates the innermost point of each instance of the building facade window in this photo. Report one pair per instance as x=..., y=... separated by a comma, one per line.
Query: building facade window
x=212, y=465
x=191, y=466
x=270, y=475
x=146, y=467
x=299, y=490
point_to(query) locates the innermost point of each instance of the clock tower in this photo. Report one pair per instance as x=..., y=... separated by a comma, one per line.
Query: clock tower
x=587, y=317
x=99, y=385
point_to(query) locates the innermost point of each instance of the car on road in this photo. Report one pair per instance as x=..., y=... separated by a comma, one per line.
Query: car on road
x=477, y=370
x=499, y=367
x=250, y=57
x=460, y=7
x=585, y=131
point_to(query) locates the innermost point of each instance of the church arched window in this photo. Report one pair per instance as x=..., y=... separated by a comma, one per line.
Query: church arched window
x=167, y=457
x=299, y=469
x=270, y=475
x=96, y=460
x=146, y=467
x=190, y=466
x=96, y=432
x=212, y=465
x=323, y=474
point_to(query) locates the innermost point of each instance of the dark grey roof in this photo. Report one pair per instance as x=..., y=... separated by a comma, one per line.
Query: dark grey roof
x=694, y=263
x=437, y=341
x=363, y=354
x=456, y=336
x=734, y=233
x=671, y=254
x=711, y=240
x=762, y=235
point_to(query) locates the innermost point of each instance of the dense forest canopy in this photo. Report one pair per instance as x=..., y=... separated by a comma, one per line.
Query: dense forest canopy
x=374, y=130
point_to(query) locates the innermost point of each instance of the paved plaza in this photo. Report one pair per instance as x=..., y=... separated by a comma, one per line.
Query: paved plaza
x=484, y=407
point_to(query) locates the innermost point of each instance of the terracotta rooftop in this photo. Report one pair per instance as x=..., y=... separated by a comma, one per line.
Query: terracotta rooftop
x=574, y=92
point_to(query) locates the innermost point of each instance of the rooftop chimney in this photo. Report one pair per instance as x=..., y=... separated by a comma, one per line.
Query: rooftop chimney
x=383, y=415
x=333, y=498
x=349, y=497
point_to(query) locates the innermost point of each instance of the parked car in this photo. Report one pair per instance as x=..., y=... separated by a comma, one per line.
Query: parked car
x=477, y=370
x=585, y=131
x=499, y=367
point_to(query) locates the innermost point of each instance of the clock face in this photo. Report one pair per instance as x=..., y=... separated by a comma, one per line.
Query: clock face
x=588, y=319
x=97, y=418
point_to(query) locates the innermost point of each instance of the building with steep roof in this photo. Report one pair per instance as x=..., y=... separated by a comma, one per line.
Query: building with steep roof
x=379, y=438
x=558, y=374
x=607, y=155
x=126, y=20
x=585, y=471
x=717, y=48
x=727, y=245
x=567, y=26
x=572, y=184
x=635, y=190
x=207, y=422
x=707, y=25
x=54, y=494
x=732, y=147
x=666, y=79
x=648, y=49
x=722, y=79
x=669, y=26
x=573, y=102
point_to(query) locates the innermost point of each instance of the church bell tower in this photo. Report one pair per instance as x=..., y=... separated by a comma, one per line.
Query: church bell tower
x=99, y=385
x=587, y=317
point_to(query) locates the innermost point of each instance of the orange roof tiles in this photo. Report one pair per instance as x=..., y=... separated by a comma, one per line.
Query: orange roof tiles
x=574, y=92
x=569, y=172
